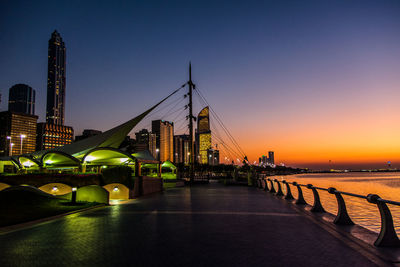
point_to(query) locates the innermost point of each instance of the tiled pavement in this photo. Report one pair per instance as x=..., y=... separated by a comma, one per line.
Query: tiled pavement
x=206, y=225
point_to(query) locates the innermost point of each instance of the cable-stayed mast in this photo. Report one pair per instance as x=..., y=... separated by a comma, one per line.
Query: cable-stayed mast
x=191, y=146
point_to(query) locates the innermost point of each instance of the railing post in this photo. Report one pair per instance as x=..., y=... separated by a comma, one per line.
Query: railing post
x=272, y=189
x=300, y=199
x=387, y=236
x=342, y=216
x=288, y=195
x=317, y=206
x=279, y=192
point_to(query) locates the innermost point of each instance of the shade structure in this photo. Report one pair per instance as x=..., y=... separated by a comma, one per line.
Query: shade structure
x=107, y=156
x=28, y=162
x=103, y=148
x=55, y=159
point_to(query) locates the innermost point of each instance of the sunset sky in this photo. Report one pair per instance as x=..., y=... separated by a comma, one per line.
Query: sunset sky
x=314, y=81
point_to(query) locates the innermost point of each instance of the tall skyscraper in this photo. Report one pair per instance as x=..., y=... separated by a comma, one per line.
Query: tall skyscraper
x=271, y=158
x=54, y=133
x=21, y=99
x=56, y=80
x=164, y=132
x=203, y=135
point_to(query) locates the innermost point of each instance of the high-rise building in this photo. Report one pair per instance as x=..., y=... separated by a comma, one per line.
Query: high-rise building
x=181, y=148
x=17, y=133
x=53, y=136
x=203, y=138
x=56, y=80
x=21, y=99
x=164, y=132
x=271, y=158
x=146, y=141
x=54, y=133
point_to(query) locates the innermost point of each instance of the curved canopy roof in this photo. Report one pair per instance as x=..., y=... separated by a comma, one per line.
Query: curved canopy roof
x=27, y=162
x=58, y=159
x=107, y=156
x=168, y=164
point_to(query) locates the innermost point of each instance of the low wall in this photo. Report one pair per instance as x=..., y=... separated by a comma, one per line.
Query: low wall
x=146, y=185
x=92, y=193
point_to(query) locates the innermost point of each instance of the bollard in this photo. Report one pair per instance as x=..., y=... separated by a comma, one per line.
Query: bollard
x=387, y=236
x=288, y=195
x=272, y=189
x=342, y=216
x=317, y=207
x=300, y=199
x=73, y=195
x=279, y=192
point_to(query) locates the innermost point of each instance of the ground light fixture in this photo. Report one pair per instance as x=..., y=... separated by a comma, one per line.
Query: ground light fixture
x=116, y=189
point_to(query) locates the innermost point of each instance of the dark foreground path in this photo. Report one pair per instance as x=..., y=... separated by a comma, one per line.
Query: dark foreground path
x=208, y=225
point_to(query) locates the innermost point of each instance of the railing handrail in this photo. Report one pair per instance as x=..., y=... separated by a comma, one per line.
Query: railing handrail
x=387, y=236
x=387, y=201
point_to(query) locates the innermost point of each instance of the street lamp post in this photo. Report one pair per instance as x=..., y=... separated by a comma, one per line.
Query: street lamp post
x=9, y=151
x=157, y=150
x=11, y=145
x=22, y=138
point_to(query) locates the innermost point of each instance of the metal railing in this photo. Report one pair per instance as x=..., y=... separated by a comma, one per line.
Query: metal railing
x=387, y=236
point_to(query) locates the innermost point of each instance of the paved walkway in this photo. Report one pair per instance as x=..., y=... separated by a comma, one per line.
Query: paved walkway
x=206, y=225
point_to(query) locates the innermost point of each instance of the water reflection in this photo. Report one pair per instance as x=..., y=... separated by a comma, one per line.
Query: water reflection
x=386, y=185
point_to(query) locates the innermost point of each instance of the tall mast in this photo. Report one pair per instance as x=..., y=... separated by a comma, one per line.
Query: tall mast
x=191, y=150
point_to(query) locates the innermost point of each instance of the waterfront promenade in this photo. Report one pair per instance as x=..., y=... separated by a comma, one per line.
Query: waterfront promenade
x=203, y=225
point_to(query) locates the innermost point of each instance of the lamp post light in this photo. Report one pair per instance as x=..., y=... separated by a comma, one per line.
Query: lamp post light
x=157, y=150
x=22, y=138
x=11, y=145
x=9, y=151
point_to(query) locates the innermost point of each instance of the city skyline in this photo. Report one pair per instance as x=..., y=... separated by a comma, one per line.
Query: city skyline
x=334, y=106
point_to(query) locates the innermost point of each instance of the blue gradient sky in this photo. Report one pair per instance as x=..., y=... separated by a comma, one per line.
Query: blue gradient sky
x=312, y=80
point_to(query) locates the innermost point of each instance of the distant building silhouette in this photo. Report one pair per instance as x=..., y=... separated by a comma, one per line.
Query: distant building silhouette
x=56, y=80
x=203, y=136
x=267, y=160
x=271, y=158
x=21, y=99
x=212, y=157
x=87, y=133
x=164, y=132
x=145, y=141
